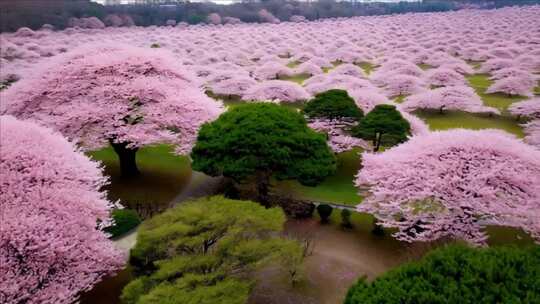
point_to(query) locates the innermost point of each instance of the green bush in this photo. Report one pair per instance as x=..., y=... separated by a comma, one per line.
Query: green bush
x=124, y=221
x=324, y=211
x=458, y=274
x=333, y=104
x=155, y=45
x=383, y=125
x=346, y=218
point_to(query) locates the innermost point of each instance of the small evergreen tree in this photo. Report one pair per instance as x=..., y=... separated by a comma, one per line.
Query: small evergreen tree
x=383, y=124
x=333, y=104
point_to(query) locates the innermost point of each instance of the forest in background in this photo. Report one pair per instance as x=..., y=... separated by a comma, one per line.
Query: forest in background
x=15, y=14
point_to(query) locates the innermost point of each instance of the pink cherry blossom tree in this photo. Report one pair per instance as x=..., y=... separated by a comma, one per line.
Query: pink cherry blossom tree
x=527, y=108
x=272, y=70
x=233, y=86
x=461, y=98
x=276, y=90
x=512, y=86
x=532, y=131
x=444, y=77
x=453, y=184
x=213, y=18
x=338, y=138
x=266, y=16
x=402, y=85
x=51, y=202
x=121, y=96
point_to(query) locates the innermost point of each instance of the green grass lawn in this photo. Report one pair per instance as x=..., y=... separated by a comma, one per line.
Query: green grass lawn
x=457, y=119
x=367, y=67
x=293, y=64
x=424, y=66
x=337, y=188
x=163, y=176
x=299, y=78
x=480, y=83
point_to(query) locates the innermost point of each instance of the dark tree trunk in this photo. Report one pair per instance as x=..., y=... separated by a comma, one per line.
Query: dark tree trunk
x=378, y=137
x=263, y=188
x=126, y=156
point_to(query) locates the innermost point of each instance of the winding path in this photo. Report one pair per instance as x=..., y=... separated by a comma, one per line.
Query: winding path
x=199, y=185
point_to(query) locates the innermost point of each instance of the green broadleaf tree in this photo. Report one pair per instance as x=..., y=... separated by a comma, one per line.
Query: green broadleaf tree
x=263, y=141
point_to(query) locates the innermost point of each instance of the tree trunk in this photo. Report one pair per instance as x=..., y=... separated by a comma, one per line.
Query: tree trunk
x=378, y=137
x=126, y=156
x=263, y=188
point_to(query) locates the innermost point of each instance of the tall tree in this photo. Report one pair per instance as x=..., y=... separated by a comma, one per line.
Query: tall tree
x=123, y=96
x=453, y=184
x=383, y=123
x=52, y=245
x=204, y=251
x=262, y=141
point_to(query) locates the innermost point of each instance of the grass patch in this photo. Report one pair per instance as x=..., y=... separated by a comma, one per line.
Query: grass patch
x=293, y=64
x=424, y=66
x=163, y=176
x=299, y=78
x=337, y=188
x=458, y=119
x=367, y=67
x=480, y=83
x=400, y=98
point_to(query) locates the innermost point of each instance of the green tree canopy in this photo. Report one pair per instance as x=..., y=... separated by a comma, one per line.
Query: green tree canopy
x=263, y=140
x=203, y=251
x=384, y=124
x=458, y=274
x=333, y=104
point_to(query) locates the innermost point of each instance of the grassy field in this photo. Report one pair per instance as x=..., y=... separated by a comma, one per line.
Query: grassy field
x=163, y=176
x=299, y=78
x=457, y=119
x=367, y=67
x=337, y=188
x=480, y=83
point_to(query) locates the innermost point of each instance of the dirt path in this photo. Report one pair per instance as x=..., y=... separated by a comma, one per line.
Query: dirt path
x=199, y=185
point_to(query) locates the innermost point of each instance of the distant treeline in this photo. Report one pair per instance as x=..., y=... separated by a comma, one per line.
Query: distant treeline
x=34, y=13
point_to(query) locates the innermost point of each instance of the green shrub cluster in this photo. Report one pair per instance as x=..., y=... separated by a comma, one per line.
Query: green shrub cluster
x=124, y=221
x=333, y=104
x=203, y=252
x=457, y=274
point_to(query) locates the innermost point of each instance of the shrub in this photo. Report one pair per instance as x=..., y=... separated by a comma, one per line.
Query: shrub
x=324, y=211
x=124, y=221
x=155, y=45
x=346, y=218
x=458, y=274
x=333, y=104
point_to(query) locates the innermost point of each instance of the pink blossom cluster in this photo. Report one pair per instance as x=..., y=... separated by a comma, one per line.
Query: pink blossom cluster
x=276, y=91
x=453, y=184
x=527, y=108
x=532, y=132
x=115, y=94
x=51, y=202
x=457, y=98
x=337, y=132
